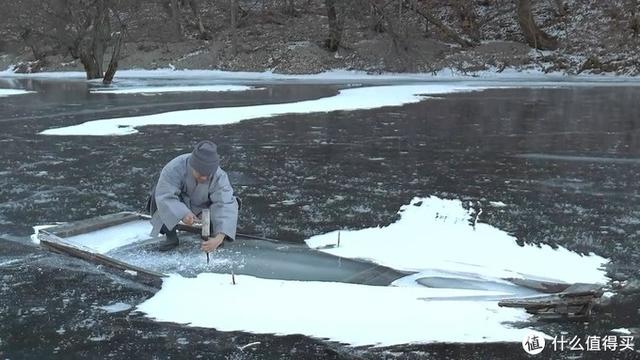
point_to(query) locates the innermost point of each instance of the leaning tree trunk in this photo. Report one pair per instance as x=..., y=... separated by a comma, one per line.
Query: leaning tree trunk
x=335, y=30
x=115, y=55
x=535, y=37
x=440, y=25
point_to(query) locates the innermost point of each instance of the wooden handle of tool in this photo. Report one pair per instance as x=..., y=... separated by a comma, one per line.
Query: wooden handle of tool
x=206, y=224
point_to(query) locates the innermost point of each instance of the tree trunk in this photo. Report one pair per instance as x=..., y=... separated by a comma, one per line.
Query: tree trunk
x=234, y=25
x=289, y=7
x=335, y=30
x=91, y=67
x=634, y=22
x=195, y=9
x=173, y=8
x=376, y=19
x=93, y=43
x=535, y=37
x=115, y=55
x=468, y=18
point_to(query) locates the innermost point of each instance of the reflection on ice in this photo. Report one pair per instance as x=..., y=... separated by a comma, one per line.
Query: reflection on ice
x=10, y=92
x=167, y=89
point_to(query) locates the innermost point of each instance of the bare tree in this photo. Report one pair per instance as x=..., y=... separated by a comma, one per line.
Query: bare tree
x=335, y=27
x=634, y=22
x=535, y=37
x=450, y=33
x=81, y=28
x=93, y=37
x=173, y=8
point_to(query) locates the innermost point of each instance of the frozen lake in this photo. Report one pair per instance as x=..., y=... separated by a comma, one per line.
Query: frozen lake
x=551, y=164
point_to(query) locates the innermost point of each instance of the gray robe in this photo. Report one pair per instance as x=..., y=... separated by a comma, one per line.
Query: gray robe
x=177, y=192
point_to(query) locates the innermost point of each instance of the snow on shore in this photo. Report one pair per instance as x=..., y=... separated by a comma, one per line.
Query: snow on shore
x=337, y=75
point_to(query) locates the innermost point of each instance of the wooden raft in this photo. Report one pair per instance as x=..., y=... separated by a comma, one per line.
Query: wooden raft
x=575, y=301
x=52, y=239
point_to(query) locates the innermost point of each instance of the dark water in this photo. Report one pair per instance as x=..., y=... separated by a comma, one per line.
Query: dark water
x=565, y=160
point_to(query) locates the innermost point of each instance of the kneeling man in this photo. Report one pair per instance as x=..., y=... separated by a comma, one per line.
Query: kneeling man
x=188, y=184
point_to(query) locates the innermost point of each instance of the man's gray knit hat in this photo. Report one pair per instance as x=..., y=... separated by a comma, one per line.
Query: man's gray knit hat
x=204, y=158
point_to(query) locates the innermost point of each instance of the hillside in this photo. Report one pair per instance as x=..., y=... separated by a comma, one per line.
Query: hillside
x=291, y=36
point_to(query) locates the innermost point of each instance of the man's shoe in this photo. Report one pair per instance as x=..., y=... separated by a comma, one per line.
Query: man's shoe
x=170, y=243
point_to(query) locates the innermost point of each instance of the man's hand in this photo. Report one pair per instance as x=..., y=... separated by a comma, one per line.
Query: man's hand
x=213, y=243
x=189, y=219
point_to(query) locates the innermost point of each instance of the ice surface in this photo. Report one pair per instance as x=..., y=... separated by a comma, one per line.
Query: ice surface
x=347, y=99
x=353, y=314
x=166, y=89
x=593, y=159
x=435, y=233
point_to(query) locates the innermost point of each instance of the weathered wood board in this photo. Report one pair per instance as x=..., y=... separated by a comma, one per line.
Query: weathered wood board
x=575, y=301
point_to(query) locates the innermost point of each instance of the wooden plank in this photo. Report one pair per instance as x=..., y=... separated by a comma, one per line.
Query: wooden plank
x=545, y=301
x=147, y=277
x=94, y=224
x=576, y=301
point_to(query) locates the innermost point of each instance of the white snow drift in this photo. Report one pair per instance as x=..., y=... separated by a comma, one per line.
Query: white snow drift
x=347, y=99
x=435, y=233
x=353, y=314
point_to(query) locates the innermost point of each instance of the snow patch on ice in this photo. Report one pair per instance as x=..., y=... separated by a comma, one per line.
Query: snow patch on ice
x=346, y=100
x=117, y=307
x=623, y=331
x=435, y=233
x=497, y=204
x=356, y=314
